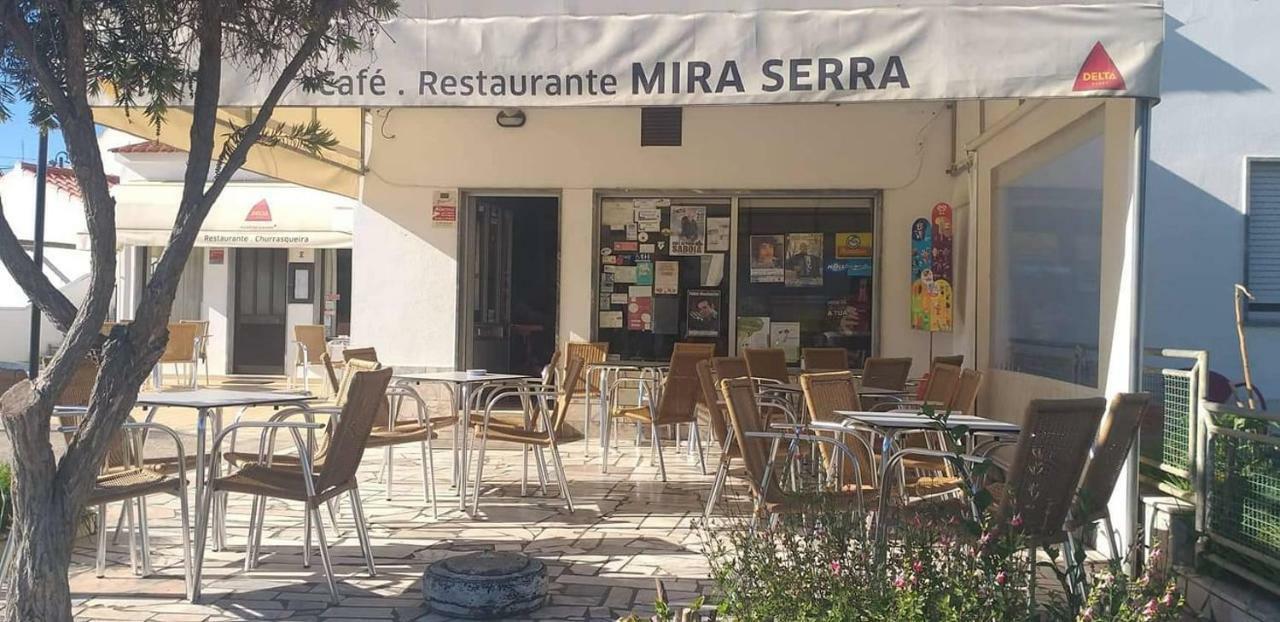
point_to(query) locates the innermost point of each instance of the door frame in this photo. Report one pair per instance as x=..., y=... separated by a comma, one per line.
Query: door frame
x=233, y=282
x=463, y=325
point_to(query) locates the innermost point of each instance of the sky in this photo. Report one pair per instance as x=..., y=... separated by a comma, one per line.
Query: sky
x=19, y=140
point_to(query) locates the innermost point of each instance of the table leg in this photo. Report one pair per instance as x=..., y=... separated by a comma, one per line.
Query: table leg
x=219, y=501
x=201, y=417
x=586, y=416
x=465, y=416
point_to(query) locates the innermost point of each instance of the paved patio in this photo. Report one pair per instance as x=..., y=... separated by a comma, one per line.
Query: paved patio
x=629, y=528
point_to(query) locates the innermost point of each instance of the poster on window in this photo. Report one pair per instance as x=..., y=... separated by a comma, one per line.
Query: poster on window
x=718, y=234
x=850, y=245
x=666, y=278
x=704, y=313
x=640, y=308
x=753, y=332
x=766, y=258
x=688, y=230
x=804, y=260
x=786, y=337
x=921, y=272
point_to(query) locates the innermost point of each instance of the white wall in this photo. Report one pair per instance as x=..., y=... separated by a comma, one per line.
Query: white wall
x=216, y=309
x=404, y=268
x=1220, y=93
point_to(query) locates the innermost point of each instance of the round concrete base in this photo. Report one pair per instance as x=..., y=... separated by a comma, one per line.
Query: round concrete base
x=485, y=585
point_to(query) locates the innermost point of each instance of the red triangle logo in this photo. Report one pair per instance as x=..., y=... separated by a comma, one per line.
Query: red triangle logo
x=260, y=212
x=1099, y=73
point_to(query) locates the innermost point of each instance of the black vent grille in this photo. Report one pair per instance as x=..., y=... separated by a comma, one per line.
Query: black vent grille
x=661, y=127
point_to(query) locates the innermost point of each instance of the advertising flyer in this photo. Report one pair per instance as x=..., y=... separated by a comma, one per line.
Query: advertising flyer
x=786, y=335
x=718, y=234
x=850, y=245
x=704, y=313
x=640, y=308
x=804, y=260
x=644, y=273
x=921, y=273
x=753, y=332
x=940, y=297
x=766, y=258
x=666, y=278
x=688, y=230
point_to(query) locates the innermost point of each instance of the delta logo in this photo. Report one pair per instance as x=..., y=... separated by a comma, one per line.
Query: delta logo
x=259, y=216
x=1099, y=73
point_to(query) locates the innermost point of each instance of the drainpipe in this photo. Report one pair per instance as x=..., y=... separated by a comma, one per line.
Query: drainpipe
x=37, y=253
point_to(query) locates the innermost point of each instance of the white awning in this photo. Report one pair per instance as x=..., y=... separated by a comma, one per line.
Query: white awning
x=269, y=215
x=528, y=53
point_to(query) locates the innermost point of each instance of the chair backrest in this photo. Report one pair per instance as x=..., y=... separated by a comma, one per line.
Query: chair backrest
x=824, y=394
x=726, y=367
x=359, y=354
x=824, y=359
x=590, y=352
x=311, y=336
x=1048, y=460
x=678, y=402
x=330, y=373
x=706, y=349
x=715, y=412
x=965, y=400
x=952, y=359
x=10, y=377
x=1115, y=437
x=943, y=382
x=77, y=392
x=201, y=331
x=366, y=394
x=572, y=371
x=353, y=367
x=886, y=373
x=744, y=417
x=181, y=347
x=769, y=363
x=551, y=369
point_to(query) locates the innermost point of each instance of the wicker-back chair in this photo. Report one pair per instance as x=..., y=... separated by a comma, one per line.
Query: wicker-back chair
x=590, y=352
x=1115, y=438
x=677, y=397
x=546, y=431
x=950, y=359
x=182, y=348
x=726, y=367
x=886, y=373
x=202, y=353
x=745, y=421
x=943, y=382
x=824, y=359
x=824, y=394
x=965, y=399
x=303, y=481
x=1049, y=458
x=767, y=363
x=311, y=348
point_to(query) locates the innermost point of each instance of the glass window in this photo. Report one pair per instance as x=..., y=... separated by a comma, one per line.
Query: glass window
x=1046, y=256
x=805, y=275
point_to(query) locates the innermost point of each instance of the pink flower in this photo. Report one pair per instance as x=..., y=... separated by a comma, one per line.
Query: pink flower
x=1168, y=599
x=835, y=567
x=1087, y=615
x=986, y=537
x=1151, y=609
x=1001, y=578
x=917, y=567
x=899, y=581
x=1016, y=521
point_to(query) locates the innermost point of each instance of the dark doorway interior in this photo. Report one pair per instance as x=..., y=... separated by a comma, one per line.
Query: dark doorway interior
x=260, y=311
x=513, y=262
x=343, y=319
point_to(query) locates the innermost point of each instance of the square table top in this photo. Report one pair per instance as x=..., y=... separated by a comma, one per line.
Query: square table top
x=917, y=421
x=219, y=398
x=459, y=377
x=636, y=364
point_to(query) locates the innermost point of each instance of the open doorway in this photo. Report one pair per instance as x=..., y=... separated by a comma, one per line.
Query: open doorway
x=510, y=268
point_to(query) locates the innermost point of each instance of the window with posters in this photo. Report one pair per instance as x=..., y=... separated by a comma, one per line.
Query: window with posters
x=806, y=275
x=662, y=274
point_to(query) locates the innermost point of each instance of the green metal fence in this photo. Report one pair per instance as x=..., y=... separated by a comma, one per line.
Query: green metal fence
x=1175, y=378
x=1238, y=493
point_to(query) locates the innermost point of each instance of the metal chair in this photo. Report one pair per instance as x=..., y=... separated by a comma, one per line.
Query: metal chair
x=303, y=481
x=767, y=364
x=824, y=359
x=310, y=348
x=542, y=428
x=671, y=401
x=886, y=373
x=589, y=384
x=202, y=354
x=182, y=348
x=1116, y=435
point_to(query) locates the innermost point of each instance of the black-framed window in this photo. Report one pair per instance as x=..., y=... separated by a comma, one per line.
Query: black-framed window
x=1262, y=261
x=806, y=272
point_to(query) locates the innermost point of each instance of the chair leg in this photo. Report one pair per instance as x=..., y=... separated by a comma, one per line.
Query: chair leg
x=314, y=511
x=144, y=534
x=133, y=541
x=362, y=530
x=102, y=539
x=605, y=429
x=657, y=444
x=183, y=509
x=387, y=459
x=251, y=555
x=560, y=474
x=695, y=444
x=541, y=461
x=429, y=476
x=202, y=533
x=722, y=475
x=475, y=501
x=306, y=537
x=260, y=525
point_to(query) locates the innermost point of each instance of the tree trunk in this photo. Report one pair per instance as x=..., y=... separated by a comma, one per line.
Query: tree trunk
x=46, y=532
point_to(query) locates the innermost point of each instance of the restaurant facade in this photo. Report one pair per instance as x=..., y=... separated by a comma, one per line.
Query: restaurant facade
x=918, y=179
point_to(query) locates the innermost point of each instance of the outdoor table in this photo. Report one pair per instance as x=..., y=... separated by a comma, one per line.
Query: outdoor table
x=888, y=425
x=462, y=386
x=605, y=371
x=208, y=404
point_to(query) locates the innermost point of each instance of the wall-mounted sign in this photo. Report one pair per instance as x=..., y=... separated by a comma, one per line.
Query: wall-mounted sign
x=259, y=216
x=217, y=256
x=932, y=294
x=444, y=208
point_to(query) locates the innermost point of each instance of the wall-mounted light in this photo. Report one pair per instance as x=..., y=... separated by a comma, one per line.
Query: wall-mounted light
x=513, y=117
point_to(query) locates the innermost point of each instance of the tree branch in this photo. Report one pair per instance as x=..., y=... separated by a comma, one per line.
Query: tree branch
x=31, y=278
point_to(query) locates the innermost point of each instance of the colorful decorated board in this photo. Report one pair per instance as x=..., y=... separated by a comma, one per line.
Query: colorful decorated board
x=932, y=293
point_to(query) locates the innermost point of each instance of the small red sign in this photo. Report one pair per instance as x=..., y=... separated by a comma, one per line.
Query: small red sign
x=217, y=256
x=260, y=212
x=1099, y=73
x=444, y=213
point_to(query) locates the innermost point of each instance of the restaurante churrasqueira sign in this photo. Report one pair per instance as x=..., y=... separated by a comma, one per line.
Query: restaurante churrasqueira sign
x=503, y=53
